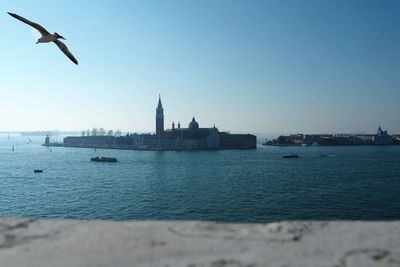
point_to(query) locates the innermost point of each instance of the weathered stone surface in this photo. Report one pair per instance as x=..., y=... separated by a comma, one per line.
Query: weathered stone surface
x=31, y=242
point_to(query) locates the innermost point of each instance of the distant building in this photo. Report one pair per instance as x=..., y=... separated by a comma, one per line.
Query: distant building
x=159, y=117
x=47, y=140
x=191, y=138
x=380, y=138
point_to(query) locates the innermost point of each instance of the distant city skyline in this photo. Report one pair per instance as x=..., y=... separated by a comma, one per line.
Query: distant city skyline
x=251, y=67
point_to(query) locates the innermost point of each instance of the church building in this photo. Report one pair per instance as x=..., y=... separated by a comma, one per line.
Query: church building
x=191, y=138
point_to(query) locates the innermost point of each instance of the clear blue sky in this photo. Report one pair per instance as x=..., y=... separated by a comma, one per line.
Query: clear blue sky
x=247, y=66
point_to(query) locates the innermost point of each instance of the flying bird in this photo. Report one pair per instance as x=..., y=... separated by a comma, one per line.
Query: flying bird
x=48, y=37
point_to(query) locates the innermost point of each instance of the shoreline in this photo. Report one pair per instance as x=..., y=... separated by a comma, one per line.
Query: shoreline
x=146, y=149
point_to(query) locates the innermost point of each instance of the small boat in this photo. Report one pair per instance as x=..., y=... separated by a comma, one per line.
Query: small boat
x=290, y=156
x=38, y=171
x=103, y=159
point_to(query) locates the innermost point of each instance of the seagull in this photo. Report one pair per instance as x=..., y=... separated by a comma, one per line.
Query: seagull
x=47, y=37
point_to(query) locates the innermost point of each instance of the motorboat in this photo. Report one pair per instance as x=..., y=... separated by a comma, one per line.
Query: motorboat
x=290, y=156
x=104, y=159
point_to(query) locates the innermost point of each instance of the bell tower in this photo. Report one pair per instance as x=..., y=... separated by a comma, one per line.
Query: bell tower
x=159, y=117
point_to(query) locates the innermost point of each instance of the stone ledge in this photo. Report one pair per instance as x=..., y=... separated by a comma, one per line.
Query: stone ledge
x=37, y=242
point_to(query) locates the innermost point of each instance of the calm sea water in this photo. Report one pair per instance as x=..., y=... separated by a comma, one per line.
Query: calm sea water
x=232, y=186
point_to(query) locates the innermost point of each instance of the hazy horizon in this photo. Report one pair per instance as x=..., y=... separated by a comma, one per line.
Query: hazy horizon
x=248, y=67
x=261, y=136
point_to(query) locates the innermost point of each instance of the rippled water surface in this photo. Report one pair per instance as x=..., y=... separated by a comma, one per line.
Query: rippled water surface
x=234, y=185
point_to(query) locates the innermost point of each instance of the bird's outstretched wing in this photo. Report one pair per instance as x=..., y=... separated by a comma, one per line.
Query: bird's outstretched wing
x=65, y=50
x=42, y=30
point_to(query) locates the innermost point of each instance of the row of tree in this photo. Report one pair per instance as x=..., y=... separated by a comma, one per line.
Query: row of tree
x=101, y=132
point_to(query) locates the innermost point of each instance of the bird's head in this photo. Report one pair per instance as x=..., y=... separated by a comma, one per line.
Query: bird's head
x=59, y=36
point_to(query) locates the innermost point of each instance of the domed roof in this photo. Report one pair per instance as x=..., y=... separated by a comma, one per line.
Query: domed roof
x=193, y=124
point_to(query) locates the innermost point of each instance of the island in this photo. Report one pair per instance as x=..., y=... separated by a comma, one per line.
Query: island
x=191, y=138
x=381, y=137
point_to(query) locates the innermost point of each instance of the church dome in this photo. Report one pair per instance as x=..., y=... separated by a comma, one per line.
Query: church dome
x=193, y=124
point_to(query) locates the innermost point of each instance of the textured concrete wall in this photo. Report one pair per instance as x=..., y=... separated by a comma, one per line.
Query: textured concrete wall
x=30, y=242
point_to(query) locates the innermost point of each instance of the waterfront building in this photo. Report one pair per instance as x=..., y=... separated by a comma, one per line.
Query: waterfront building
x=47, y=140
x=193, y=137
x=382, y=137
